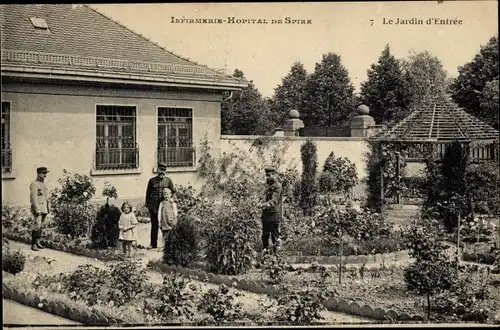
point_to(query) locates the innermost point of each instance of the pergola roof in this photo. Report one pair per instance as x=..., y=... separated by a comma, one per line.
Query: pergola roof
x=438, y=120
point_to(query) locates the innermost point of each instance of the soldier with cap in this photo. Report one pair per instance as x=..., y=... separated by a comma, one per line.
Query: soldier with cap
x=39, y=207
x=271, y=210
x=154, y=196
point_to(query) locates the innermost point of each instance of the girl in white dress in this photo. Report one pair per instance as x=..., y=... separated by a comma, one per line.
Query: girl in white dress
x=127, y=225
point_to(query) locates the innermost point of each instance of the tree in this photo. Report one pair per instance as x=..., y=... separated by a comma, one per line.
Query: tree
x=424, y=77
x=329, y=94
x=489, y=103
x=308, y=186
x=289, y=95
x=384, y=91
x=469, y=87
x=245, y=112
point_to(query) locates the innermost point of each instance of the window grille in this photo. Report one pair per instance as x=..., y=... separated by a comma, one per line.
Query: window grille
x=116, y=146
x=175, y=137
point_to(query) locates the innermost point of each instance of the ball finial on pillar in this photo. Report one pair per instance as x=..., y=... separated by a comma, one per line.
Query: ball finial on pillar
x=363, y=110
x=293, y=114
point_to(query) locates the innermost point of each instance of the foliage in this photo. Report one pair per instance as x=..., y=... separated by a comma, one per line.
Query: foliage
x=483, y=180
x=308, y=185
x=105, y=231
x=12, y=261
x=339, y=175
x=141, y=210
x=480, y=228
x=129, y=280
x=424, y=76
x=384, y=91
x=299, y=307
x=447, y=196
x=290, y=181
x=232, y=239
x=474, y=84
x=70, y=204
x=274, y=266
x=14, y=218
x=181, y=243
x=245, y=112
x=109, y=191
x=186, y=198
x=88, y=283
x=328, y=94
x=220, y=305
x=174, y=299
x=383, y=158
x=290, y=94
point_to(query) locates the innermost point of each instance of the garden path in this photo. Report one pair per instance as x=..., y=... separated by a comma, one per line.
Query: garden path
x=66, y=262
x=16, y=313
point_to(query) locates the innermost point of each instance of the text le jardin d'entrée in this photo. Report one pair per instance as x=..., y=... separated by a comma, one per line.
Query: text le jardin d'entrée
x=418, y=21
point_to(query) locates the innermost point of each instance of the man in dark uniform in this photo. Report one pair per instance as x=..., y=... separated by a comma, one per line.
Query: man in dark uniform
x=271, y=210
x=154, y=195
x=39, y=207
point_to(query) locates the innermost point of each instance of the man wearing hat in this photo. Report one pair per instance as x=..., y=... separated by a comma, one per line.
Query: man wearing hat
x=271, y=210
x=154, y=196
x=39, y=206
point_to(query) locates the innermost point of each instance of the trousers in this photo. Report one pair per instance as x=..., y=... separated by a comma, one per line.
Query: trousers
x=38, y=221
x=270, y=229
x=154, y=229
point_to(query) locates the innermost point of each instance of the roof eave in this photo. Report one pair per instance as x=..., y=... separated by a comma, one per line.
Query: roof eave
x=127, y=78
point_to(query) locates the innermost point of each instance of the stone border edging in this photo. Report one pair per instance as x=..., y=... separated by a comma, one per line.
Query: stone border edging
x=89, y=316
x=77, y=250
x=332, y=304
x=351, y=259
x=482, y=258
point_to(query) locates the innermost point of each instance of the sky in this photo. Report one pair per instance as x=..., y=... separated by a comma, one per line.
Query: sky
x=357, y=31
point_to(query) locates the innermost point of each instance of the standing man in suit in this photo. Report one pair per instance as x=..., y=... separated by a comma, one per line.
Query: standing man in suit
x=154, y=196
x=39, y=207
x=272, y=210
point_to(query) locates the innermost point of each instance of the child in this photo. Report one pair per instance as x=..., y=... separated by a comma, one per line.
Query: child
x=167, y=213
x=127, y=225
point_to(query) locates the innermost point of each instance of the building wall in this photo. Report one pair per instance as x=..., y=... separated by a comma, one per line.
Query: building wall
x=54, y=126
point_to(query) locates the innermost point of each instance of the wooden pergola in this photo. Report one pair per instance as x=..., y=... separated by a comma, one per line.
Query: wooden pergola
x=432, y=126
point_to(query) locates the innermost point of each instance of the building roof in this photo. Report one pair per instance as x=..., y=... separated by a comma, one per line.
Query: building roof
x=438, y=120
x=79, y=38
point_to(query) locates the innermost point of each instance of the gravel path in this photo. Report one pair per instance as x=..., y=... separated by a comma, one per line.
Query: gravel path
x=16, y=313
x=66, y=262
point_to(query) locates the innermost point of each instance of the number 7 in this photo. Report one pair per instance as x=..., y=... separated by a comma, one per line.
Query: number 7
x=372, y=22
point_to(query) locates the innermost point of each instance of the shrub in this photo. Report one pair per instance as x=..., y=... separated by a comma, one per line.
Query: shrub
x=232, y=238
x=88, y=283
x=339, y=175
x=274, y=267
x=129, y=281
x=299, y=307
x=12, y=261
x=141, y=211
x=483, y=180
x=173, y=299
x=478, y=229
x=105, y=231
x=181, y=244
x=219, y=304
x=186, y=198
x=308, y=184
x=73, y=213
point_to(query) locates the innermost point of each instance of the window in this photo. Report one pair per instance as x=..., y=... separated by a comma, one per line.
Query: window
x=6, y=147
x=175, y=137
x=40, y=24
x=116, y=146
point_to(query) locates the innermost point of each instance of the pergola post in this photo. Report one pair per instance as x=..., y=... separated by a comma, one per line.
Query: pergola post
x=381, y=183
x=398, y=179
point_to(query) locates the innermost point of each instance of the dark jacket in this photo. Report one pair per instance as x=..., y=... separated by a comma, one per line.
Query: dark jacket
x=154, y=191
x=272, y=208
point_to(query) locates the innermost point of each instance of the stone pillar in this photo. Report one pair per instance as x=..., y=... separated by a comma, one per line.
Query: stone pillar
x=362, y=124
x=292, y=124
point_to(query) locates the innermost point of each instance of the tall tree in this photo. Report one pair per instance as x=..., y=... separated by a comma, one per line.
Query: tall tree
x=470, y=88
x=384, y=91
x=245, y=112
x=329, y=94
x=289, y=95
x=424, y=77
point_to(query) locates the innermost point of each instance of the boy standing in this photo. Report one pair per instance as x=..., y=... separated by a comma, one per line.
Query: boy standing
x=167, y=213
